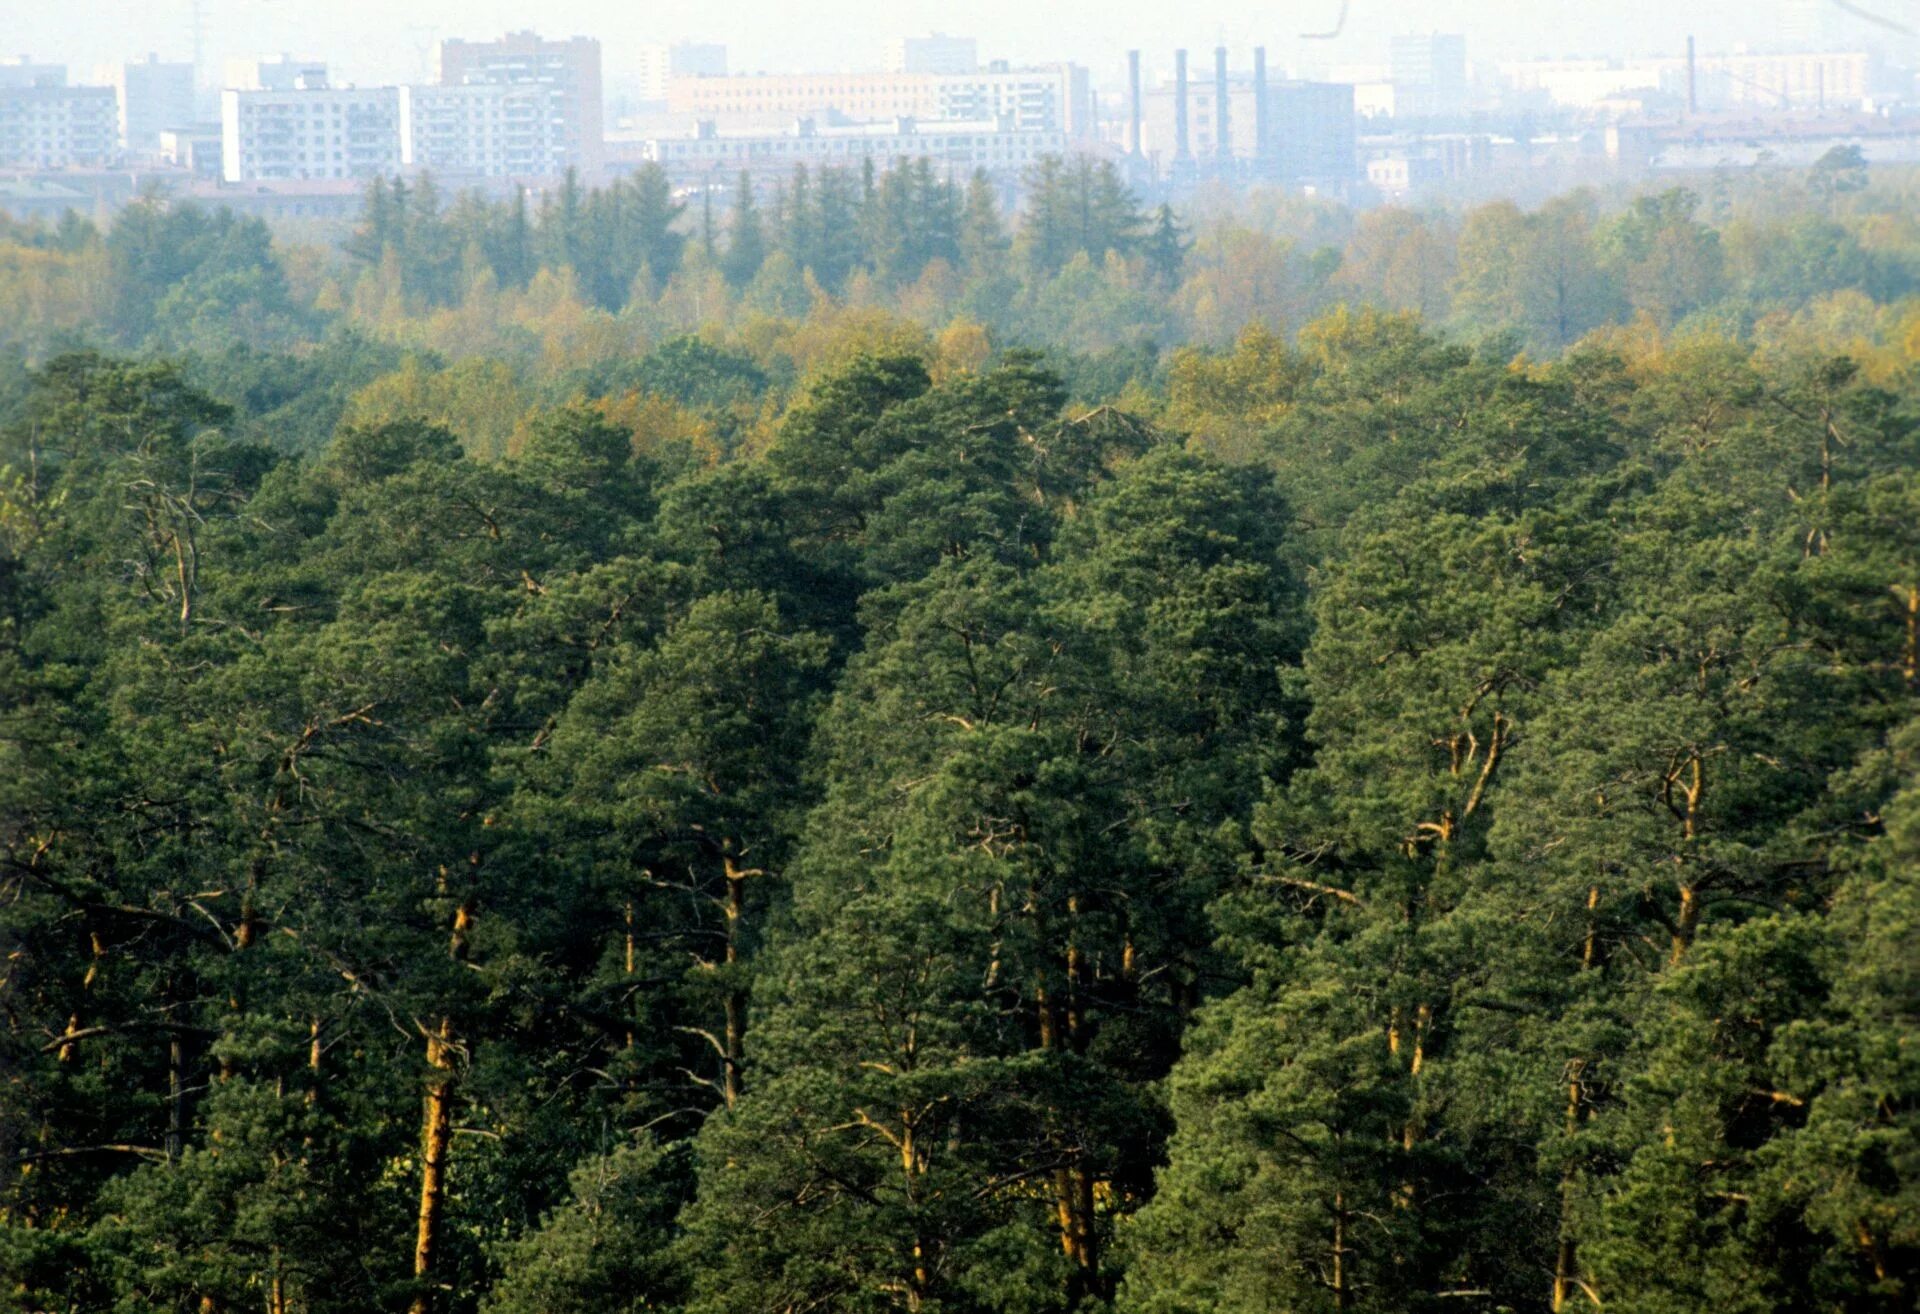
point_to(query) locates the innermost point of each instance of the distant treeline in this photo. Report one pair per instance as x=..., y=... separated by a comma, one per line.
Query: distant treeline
x=1825, y=258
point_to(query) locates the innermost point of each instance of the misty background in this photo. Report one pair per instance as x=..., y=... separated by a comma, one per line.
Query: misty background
x=373, y=41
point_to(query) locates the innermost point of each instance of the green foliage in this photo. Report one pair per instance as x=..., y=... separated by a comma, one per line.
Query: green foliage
x=813, y=816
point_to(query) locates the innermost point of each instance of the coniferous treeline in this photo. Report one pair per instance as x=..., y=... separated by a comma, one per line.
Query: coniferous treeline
x=970, y=852
x=1815, y=260
x=625, y=240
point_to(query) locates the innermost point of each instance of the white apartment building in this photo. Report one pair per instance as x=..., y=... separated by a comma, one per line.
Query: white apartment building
x=309, y=133
x=481, y=131
x=58, y=127
x=570, y=67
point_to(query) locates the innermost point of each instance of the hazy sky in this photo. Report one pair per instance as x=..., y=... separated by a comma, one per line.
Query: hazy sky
x=372, y=41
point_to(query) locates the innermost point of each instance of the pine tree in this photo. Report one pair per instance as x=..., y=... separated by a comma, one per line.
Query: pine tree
x=746, y=243
x=1165, y=249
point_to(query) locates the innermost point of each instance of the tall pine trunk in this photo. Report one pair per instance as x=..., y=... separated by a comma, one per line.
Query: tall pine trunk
x=436, y=1135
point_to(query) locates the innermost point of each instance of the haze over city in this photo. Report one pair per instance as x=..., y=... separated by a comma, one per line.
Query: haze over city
x=377, y=40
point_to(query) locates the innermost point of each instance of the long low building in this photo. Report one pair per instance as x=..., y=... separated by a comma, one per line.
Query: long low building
x=1732, y=81
x=961, y=145
x=1053, y=98
x=1708, y=142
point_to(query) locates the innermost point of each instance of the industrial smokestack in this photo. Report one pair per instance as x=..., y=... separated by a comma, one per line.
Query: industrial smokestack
x=1260, y=124
x=1693, y=85
x=1223, y=134
x=1133, y=102
x=1180, y=105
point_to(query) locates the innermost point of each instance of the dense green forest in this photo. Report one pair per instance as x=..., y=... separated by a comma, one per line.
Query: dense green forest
x=855, y=754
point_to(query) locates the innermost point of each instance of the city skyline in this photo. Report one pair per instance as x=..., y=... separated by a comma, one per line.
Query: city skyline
x=389, y=45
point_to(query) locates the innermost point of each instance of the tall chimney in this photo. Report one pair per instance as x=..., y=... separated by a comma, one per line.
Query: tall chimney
x=1260, y=124
x=1693, y=92
x=1133, y=102
x=1223, y=134
x=1180, y=105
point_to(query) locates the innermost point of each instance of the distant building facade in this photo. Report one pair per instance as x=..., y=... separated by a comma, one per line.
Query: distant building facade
x=937, y=53
x=1811, y=80
x=195, y=149
x=1429, y=75
x=656, y=65
x=995, y=146
x=19, y=71
x=58, y=127
x=1053, y=98
x=274, y=73
x=1301, y=133
x=571, y=68
x=154, y=96
x=1312, y=138
x=309, y=133
x=482, y=130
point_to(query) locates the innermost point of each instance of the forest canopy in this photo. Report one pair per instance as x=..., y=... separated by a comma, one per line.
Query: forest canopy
x=846, y=751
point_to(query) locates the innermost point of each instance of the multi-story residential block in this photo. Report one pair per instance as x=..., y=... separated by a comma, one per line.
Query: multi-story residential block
x=309, y=133
x=658, y=64
x=996, y=146
x=58, y=127
x=154, y=96
x=1054, y=98
x=482, y=130
x=570, y=67
x=938, y=53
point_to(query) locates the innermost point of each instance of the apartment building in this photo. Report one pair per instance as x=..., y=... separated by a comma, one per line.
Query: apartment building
x=309, y=133
x=1052, y=98
x=482, y=130
x=58, y=127
x=571, y=68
